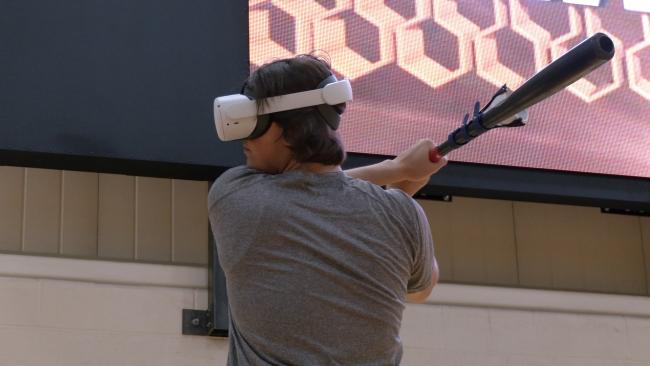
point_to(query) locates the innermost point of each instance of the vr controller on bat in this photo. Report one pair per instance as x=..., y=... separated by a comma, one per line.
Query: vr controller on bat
x=508, y=109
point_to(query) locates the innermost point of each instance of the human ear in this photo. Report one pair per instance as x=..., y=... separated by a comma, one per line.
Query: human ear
x=275, y=131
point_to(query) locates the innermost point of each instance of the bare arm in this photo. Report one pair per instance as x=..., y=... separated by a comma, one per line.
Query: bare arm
x=386, y=173
x=409, y=171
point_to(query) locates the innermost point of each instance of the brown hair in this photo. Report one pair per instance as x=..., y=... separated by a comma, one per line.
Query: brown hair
x=310, y=137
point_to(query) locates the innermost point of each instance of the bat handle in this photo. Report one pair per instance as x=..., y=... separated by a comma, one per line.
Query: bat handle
x=441, y=150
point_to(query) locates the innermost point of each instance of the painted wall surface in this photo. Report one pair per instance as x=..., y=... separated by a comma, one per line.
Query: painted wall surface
x=96, y=218
x=478, y=241
x=75, y=323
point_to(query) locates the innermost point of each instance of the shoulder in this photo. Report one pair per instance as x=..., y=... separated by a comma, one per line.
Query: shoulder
x=402, y=200
x=407, y=211
x=237, y=174
x=396, y=200
x=234, y=180
x=413, y=209
x=399, y=196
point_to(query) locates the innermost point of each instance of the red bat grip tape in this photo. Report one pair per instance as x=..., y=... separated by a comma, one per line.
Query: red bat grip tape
x=434, y=157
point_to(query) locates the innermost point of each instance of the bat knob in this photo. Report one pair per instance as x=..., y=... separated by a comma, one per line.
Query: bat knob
x=434, y=156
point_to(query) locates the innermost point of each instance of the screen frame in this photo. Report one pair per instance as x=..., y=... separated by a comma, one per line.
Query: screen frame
x=620, y=193
x=625, y=194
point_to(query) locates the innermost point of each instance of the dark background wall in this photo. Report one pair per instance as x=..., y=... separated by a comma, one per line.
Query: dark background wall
x=119, y=86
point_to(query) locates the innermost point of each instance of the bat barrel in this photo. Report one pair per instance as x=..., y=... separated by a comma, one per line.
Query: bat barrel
x=576, y=63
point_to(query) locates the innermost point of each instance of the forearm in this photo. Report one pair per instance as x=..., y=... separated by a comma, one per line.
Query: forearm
x=387, y=173
x=410, y=187
x=384, y=173
x=409, y=171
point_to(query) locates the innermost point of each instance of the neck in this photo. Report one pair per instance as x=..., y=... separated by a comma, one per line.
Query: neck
x=311, y=167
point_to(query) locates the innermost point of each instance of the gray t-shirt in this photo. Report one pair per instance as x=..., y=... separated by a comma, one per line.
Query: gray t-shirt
x=317, y=266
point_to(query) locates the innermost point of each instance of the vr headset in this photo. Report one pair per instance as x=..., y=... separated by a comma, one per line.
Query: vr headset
x=237, y=116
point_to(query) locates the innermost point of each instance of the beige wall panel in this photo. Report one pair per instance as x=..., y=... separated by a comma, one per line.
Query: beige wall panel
x=153, y=219
x=484, y=241
x=439, y=217
x=41, y=231
x=116, y=217
x=79, y=214
x=189, y=221
x=645, y=232
x=12, y=184
x=614, y=261
x=476, y=240
x=499, y=231
x=549, y=242
x=534, y=242
x=568, y=247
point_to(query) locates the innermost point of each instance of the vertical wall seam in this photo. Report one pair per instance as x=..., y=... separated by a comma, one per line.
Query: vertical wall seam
x=644, y=254
x=61, y=199
x=551, y=261
x=98, y=210
x=172, y=219
x=486, y=272
x=452, y=246
x=24, y=218
x=97, y=220
x=514, y=234
x=135, y=218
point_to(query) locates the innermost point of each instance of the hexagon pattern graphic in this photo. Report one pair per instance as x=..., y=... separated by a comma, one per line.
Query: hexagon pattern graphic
x=401, y=41
x=638, y=82
x=583, y=88
x=418, y=65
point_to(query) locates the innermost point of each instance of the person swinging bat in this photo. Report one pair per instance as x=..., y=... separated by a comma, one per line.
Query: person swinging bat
x=319, y=262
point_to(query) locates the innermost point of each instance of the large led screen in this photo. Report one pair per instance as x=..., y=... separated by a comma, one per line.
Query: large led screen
x=417, y=66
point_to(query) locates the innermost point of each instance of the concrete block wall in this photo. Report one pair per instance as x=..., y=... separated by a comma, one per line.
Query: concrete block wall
x=92, y=321
x=74, y=323
x=456, y=335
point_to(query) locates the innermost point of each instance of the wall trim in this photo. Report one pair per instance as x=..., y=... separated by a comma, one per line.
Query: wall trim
x=169, y=275
x=103, y=271
x=540, y=300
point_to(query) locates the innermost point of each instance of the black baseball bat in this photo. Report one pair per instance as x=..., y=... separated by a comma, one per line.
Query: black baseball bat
x=574, y=64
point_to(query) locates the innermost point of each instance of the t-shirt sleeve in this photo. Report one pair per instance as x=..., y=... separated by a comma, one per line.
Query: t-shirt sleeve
x=232, y=181
x=422, y=271
x=234, y=212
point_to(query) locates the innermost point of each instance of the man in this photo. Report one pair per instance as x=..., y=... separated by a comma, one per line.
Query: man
x=318, y=262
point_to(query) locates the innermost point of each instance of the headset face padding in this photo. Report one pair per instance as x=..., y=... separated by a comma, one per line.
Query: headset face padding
x=263, y=121
x=263, y=124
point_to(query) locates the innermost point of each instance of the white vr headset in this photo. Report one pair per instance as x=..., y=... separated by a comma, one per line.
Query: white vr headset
x=236, y=116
